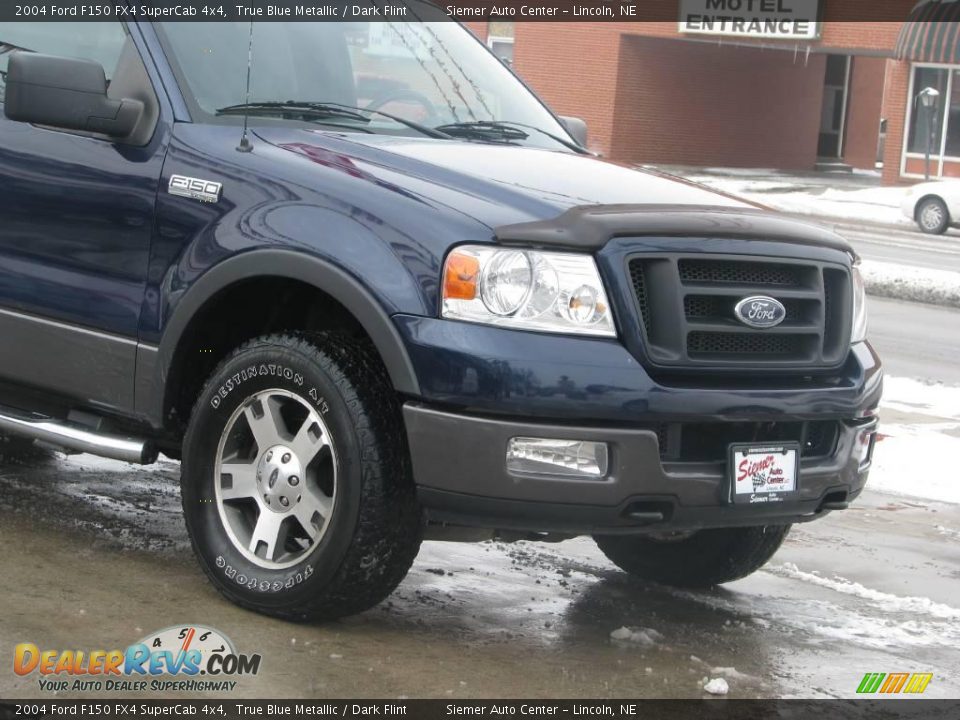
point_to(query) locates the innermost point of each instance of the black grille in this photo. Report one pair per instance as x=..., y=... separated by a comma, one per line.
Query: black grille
x=700, y=306
x=640, y=290
x=740, y=273
x=724, y=343
x=708, y=442
x=686, y=305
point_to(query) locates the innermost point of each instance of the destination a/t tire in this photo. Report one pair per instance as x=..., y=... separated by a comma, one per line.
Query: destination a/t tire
x=329, y=536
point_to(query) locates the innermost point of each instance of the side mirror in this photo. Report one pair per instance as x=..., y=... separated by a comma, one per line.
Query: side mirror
x=577, y=129
x=66, y=93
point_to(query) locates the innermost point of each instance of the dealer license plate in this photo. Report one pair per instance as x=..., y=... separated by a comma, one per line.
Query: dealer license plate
x=763, y=473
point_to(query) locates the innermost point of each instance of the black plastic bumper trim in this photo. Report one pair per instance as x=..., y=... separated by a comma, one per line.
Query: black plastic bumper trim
x=564, y=518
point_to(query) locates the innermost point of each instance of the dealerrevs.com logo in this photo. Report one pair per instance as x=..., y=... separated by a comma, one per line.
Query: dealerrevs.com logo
x=187, y=658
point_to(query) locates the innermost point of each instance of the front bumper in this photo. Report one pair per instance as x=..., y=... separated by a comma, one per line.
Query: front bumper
x=459, y=466
x=482, y=385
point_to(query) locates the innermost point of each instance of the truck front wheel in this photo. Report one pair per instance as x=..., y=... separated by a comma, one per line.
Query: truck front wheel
x=296, y=482
x=699, y=560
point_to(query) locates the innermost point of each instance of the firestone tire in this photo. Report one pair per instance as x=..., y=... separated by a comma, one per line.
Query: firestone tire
x=701, y=560
x=371, y=521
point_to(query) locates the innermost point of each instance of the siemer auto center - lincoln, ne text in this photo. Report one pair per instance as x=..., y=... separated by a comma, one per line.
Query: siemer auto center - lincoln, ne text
x=787, y=84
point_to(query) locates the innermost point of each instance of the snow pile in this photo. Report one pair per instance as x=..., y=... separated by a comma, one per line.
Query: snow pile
x=854, y=624
x=810, y=195
x=886, y=602
x=952, y=534
x=871, y=205
x=730, y=672
x=717, y=686
x=933, y=399
x=915, y=459
x=939, y=287
x=647, y=637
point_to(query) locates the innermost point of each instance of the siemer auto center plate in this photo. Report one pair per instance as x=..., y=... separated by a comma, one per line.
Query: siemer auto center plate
x=763, y=473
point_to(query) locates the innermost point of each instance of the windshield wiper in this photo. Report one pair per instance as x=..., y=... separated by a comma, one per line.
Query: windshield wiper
x=566, y=143
x=323, y=110
x=489, y=130
x=505, y=131
x=423, y=129
x=290, y=107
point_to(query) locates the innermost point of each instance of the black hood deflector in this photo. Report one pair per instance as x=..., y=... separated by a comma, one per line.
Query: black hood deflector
x=590, y=227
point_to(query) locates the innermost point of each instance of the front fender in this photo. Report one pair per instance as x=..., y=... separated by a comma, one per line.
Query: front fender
x=153, y=367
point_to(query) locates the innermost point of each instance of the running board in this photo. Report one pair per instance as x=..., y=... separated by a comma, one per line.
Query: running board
x=72, y=436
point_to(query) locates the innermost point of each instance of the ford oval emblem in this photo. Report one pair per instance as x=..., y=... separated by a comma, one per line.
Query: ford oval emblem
x=760, y=311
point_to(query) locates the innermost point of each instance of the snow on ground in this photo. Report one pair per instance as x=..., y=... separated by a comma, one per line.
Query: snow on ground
x=948, y=532
x=886, y=602
x=916, y=454
x=872, y=205
x=938, y=287
x=647, y=637
x=849, y=197
x=717, y=686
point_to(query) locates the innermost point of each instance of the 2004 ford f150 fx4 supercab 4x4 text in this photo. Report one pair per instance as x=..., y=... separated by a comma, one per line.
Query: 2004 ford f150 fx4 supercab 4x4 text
x=378, y=292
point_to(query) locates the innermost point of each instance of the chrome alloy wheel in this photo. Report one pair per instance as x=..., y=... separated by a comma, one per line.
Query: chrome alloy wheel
x=931, y=215
x=275, y=479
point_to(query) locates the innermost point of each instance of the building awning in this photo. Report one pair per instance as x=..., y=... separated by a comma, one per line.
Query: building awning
x=931, y=33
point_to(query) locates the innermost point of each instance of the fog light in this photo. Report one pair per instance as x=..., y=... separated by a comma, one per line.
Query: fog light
x=564, y=458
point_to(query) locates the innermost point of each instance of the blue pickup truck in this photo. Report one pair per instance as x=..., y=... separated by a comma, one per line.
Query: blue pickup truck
x=369, y=289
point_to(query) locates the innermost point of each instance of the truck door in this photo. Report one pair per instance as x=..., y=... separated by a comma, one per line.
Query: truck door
x=76, y=217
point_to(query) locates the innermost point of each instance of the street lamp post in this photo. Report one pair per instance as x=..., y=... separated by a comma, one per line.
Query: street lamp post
x=928, y=98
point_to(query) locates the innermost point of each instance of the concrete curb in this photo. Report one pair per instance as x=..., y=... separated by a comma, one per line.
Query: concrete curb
x=934, y=287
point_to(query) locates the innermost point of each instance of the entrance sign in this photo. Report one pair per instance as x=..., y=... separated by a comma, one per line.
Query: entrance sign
x=768, y=19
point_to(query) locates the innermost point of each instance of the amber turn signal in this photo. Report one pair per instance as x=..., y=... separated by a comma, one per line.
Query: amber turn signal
x=461, y=276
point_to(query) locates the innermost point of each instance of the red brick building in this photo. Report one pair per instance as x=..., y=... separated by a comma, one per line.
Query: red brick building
x=653, y=92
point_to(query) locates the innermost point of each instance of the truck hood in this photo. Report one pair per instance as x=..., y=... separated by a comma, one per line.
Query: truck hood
x=496, y=184
x=543, y=196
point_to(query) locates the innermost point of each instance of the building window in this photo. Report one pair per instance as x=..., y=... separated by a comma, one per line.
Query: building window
x=952, y=146
x=924, y=77
x=500, y=37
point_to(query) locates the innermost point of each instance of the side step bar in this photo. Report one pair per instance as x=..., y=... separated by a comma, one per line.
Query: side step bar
x=73, y=436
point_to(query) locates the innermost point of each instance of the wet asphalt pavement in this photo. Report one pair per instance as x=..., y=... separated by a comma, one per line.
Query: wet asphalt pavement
x=96, y=556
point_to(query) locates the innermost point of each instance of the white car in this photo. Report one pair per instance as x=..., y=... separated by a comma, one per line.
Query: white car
x=934, y=205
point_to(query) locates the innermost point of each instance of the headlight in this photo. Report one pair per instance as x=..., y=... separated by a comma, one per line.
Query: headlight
x=526, y=289
x=859, y=328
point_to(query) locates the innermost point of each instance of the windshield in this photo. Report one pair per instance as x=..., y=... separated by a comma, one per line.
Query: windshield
x=431, y=73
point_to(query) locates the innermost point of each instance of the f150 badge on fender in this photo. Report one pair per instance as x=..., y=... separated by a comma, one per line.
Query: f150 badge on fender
x=196, y=188
x=760, y=312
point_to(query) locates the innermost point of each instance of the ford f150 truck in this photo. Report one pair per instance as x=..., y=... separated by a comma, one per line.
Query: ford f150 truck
x=369, y=289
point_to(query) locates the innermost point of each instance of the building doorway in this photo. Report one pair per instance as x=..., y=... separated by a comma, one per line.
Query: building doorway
x=833, y=112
